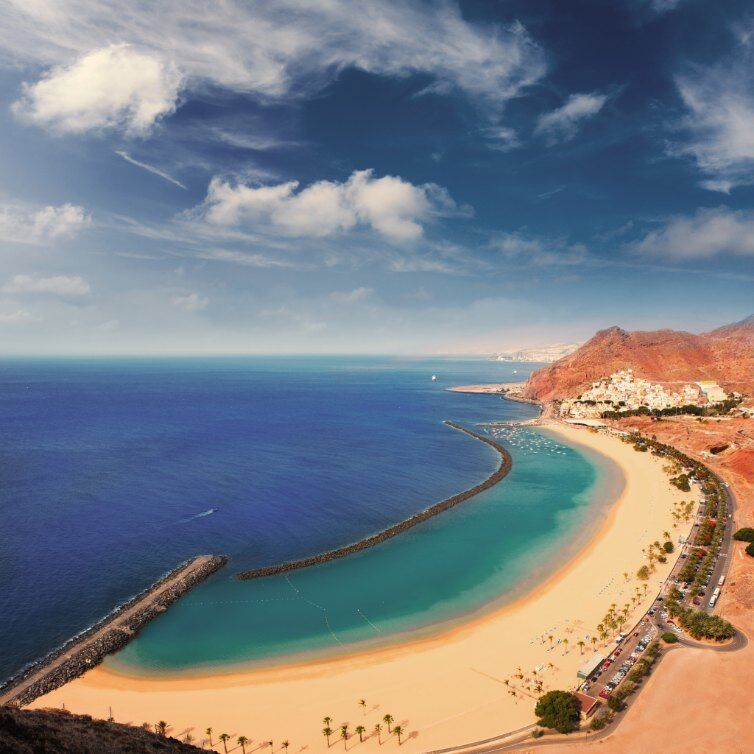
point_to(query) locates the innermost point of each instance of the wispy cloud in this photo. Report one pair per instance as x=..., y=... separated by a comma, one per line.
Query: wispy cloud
x=150, y=168
x=706, y=234
x=352, y=297
x=249, y=47
x=190, y=302
x=64, y=286
x=719, y=121
x=563, y=123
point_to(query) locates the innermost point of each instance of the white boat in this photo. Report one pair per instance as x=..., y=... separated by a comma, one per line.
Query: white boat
x=434, y=378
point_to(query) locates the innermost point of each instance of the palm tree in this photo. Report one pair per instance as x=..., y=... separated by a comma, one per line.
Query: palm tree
x=269, y=743
x=224, y=737
x=360, y=730
x=209, y=735
x=378, y=731
x=344, y=734
x=399, y=731
x=565, y=641
x=285, y=744
x=594, y=641
x=363, y=704
x=161, y=727
x=242, y=741
x=550, y=638
x=326, y=720
x=581, y=644
x=327, y=732
x=388, y=719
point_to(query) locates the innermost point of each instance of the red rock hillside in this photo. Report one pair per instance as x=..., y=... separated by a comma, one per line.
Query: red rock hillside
x=725, y=355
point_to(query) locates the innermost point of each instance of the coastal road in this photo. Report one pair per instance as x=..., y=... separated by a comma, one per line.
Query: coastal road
x=118, y=621
x=722, y=562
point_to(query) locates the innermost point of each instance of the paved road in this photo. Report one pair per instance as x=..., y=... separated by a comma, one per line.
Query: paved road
x=723, y=561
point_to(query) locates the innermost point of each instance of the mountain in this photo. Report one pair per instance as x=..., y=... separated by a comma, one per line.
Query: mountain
x=725, y=355
x=544, y=353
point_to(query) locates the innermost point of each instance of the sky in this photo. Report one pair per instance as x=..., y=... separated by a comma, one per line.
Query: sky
x=371, y=176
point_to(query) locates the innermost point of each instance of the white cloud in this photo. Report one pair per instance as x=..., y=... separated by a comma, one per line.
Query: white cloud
x=540, y=252
x=23, y=224
x=190, y=302
x=709, y=233
x=113, y=87
x=18, y=317
x=389, y=205
x=351, y=297
x=65, y=286
x=563, y=123
x=719, y=122
x=150, y=168
x=272, y=50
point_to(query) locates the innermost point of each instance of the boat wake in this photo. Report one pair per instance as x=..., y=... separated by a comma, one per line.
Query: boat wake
x=200, y=515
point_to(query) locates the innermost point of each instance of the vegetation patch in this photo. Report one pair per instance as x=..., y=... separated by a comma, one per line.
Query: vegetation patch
x=559, y=710
x=744, y=535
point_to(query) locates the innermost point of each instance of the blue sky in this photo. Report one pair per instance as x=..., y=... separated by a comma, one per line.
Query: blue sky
x=371, y=176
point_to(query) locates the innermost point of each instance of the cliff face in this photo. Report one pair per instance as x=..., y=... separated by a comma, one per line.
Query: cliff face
x=725, y=355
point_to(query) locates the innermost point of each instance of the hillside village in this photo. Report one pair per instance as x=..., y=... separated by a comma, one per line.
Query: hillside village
x=623, y=391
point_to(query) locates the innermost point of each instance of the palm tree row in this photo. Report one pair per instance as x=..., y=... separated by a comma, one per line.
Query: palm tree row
x=360, y=730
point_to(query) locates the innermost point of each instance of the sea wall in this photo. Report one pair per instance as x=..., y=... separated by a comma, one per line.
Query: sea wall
x=90, y=647
x=392, y=531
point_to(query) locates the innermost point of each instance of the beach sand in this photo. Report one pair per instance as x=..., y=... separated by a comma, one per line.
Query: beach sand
x=445, y=690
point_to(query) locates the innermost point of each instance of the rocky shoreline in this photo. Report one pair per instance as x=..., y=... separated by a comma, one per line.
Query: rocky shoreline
x=87, y=649
x=392, y=531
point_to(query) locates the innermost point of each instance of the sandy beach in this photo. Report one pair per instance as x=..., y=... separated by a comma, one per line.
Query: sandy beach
x=456, y=687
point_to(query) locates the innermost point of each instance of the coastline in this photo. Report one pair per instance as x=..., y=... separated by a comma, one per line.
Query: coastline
x=403, y=679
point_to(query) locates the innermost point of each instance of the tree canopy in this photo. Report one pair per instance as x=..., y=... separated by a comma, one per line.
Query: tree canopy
x=559, y=710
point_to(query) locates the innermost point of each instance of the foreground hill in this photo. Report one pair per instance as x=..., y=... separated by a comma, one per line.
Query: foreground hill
x=725, y=355
x=33, y=731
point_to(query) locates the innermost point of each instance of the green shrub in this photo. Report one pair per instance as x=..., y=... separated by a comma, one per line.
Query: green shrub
x=750, y=549
x=668, y=547
x=643, y=573
x=744, y=535
x=600, y=720
x=615, y=702
x=669, y=637
x=559, y=710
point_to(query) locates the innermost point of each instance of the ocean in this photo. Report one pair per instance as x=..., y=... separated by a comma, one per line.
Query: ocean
x=114, y=471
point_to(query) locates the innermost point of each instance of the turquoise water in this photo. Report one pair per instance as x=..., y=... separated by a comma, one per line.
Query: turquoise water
x=466, y=560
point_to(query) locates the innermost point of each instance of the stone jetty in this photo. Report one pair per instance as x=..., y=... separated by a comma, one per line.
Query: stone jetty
x=109, y=635
x=392, y=531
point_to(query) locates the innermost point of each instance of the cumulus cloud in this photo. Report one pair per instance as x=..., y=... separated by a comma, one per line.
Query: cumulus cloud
x=389, y=205
x=563, y=123
x=271, y=50
x=351, y=297
x=65, y=286
x=114, y=87
x=708, y=233
x=719, y=122
x=23, y=224
x=190, y=302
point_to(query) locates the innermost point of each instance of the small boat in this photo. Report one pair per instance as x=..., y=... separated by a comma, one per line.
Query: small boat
x=434, y=378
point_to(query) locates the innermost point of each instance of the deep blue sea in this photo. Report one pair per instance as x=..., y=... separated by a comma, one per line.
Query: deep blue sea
x=106, y=467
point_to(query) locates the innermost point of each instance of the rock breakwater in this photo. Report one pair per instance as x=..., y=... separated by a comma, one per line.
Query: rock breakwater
x=109, y=635
x=392, y=531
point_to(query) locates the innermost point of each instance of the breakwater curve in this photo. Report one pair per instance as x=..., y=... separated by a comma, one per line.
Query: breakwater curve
x=374, y=539
x=112, y=633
